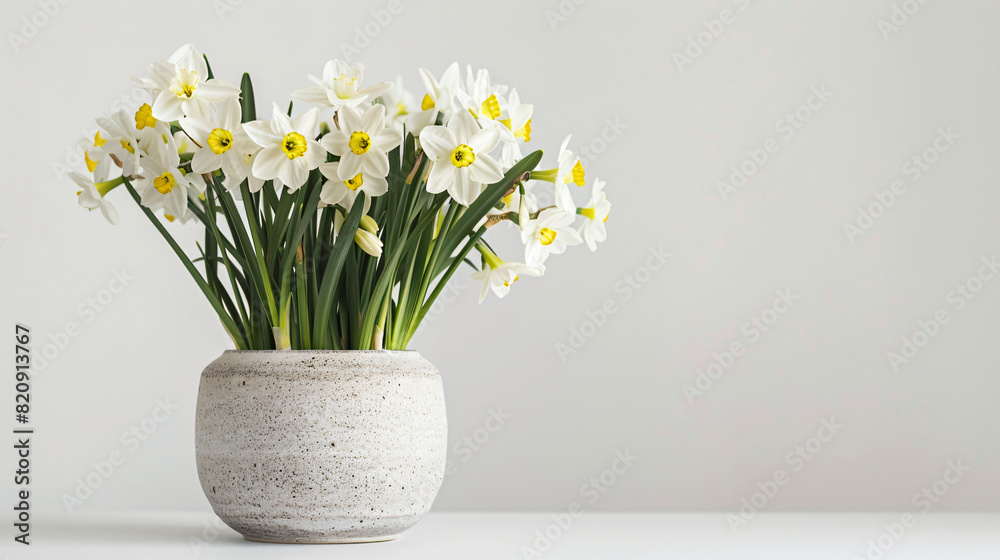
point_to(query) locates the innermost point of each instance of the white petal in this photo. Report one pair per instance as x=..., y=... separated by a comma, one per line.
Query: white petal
x=260, y=133
x=441, y=177
x=268, y=163
x=438, y=142
x=167, y=107
x=109, y=212
x=312, y=94
x=485, y=170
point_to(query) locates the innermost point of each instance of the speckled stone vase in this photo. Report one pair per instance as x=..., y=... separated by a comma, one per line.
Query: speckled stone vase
x=321, y=446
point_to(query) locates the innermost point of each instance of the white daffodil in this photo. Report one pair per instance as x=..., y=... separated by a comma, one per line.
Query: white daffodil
x=499, y=275
x=163, y=183
x=596, y=211
x=518, y=122
x=289, y=151
x=480, y=97
x=439, y=99
x=338, y=191
x=119, y=143
x=98, y=160
x=339, y=87
x=399, y=103
x=569, y=172
x=91, y=195
x=363, y=143
x=548, y=234
x=461, y=158
x=180, y=86
x=222, y=140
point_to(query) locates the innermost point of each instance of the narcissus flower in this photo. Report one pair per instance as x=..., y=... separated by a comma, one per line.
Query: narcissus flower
x=91, y=195
x=289, y=151
x=500, y=275
x=550, y=233
x=399, y=103
x=344, y=192
x=164, y=183
x=518, y=126
x=481, y=98
x=223, y=142
x=596, y=211
x=180, y=86
x=569, y=172
x=461, y=154
x=439, y=99
x=363, y=143
x=339, y=87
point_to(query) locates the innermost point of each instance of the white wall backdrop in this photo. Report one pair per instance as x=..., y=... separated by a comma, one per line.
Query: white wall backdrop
x=734, y=329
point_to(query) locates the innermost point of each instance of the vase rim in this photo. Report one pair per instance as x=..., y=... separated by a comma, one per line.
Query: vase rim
x=236, y=351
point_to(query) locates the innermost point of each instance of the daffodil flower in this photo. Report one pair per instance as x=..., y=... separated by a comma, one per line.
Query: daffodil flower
x=223, y=143
x=481, y=98
x=550, y=233
x=180, y=86
x=399, y=103
x=500, y=275
x=569, y=172
x=596, y=211
x=461, y=158
x=163, y=182
x=440, y=98
x=517, y=124
x=91, y=195
x=338, y=191
x=363, y=143
x=289, y=151
x=340, y=87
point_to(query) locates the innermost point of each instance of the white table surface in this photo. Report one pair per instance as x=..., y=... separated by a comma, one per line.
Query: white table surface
x=484, y=536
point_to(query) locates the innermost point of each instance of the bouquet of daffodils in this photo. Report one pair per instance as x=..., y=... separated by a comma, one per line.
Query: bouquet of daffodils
x=339, y=226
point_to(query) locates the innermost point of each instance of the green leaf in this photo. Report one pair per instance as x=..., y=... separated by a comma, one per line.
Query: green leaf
x=332, y=274
x=246, y=99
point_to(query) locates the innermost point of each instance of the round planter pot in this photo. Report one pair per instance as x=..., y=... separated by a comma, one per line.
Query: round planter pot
x=321, y=446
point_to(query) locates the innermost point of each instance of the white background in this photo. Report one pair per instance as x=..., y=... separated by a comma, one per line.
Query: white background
x=623, y=390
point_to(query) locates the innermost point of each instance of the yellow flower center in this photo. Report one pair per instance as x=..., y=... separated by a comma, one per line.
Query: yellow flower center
x=184, y=84
x=359, y=142
x=169, y=218
x=98, y=140
x=401, y=109
x=294, y=145
x=491, y=107
x=576, y=175
x=144, y=117
x=588, y=212
x=220, y=140
x=127, y=146
x=165, y=183
x=427, y=103
x=355, y=182
x=463, y=156
x=546, y=236
x=523, y=133
x=507, y=284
